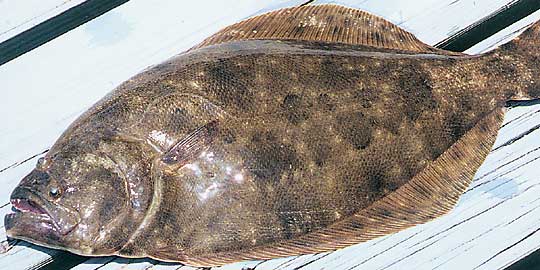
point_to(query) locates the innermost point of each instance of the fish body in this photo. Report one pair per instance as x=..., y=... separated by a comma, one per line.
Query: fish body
x=261, y=144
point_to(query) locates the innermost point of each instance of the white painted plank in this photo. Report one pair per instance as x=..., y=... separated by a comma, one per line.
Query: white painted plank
x=84, y=64
x=430, y=20
x=504, y=35
x=17, y=16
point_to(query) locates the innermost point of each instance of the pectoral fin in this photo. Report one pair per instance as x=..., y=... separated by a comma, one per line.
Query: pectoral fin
x=192, y=145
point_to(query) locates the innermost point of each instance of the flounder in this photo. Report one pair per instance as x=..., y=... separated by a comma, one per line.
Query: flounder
x=302, y=130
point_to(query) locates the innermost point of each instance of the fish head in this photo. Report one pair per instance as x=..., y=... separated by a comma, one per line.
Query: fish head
x=69, y=201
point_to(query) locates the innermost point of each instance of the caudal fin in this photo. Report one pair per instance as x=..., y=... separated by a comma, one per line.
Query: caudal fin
x=527, y=45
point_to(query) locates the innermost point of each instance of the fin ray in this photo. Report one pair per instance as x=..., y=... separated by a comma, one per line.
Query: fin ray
x=323, y=23
x=191, y=145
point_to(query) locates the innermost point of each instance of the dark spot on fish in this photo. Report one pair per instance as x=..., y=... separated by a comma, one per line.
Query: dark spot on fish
x=180, y=121
x=271, y=158
x=365, y=97
x=230, y=84
x=392, y=122
x=335, y=75
x=509, y=46
x=465, y=100
x=456, y=126
x=391, y=186
x=180, y=113
x=107, y=210
x=287, y=213
x=321, y=152
x=374, y=173
x=503, y=70
x=286, y=222
x=375, y=178
x=329, y=72
x=356, y=128
x=436, y=137
x=228, y=136
x=365, y=180
x=326, y=102
x=533, y=90
x=415, y=89
x=164, y=88
x=295, y=108
x=119, y=108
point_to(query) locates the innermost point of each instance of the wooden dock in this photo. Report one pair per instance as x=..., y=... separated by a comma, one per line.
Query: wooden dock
x=495, y=224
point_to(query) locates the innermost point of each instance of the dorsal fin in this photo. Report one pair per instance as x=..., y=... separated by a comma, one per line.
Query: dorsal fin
x=324, y=23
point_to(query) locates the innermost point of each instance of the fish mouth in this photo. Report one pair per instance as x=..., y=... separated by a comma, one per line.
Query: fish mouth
x=29, y=219
x=27, y=206
x=33, y=219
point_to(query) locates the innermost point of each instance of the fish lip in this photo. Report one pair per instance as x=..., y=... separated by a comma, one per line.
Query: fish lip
x=28, y=204
x=10, y=220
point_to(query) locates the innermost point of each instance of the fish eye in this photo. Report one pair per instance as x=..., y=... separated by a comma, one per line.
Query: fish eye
x=54, y=192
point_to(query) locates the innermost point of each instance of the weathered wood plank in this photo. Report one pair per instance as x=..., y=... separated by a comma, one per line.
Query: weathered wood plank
x=84, y=64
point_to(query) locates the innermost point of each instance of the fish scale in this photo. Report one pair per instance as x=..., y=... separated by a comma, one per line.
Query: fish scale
x=299, y=131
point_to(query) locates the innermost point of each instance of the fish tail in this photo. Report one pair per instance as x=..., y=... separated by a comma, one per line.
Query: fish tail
x=527, y=47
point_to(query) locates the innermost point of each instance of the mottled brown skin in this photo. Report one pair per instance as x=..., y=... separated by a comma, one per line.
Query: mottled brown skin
x=320, y=136
x=306, y=134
